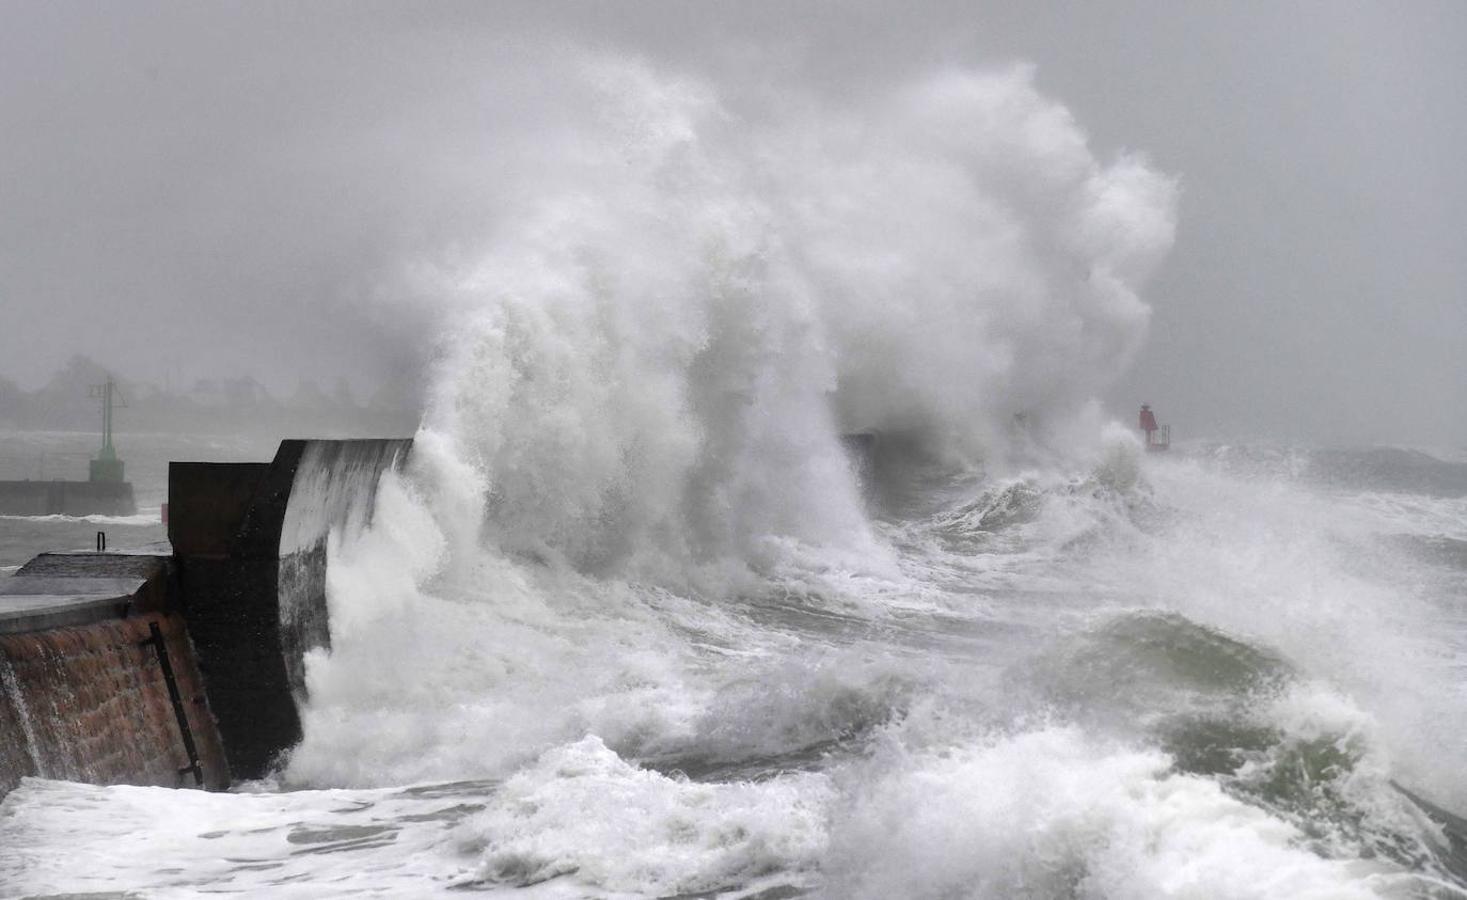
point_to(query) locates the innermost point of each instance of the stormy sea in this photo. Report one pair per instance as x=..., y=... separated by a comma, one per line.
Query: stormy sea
x=643, y=618
x=1224, y=672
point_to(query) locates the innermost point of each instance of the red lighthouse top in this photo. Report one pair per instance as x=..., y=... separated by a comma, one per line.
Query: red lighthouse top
x=1158, y=437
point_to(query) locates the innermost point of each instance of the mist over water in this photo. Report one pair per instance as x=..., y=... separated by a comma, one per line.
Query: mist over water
x=635, y=622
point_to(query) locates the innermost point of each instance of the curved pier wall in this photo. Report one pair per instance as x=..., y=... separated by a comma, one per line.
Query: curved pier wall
x=249, y=542
x=84, y=686
x=335, y=488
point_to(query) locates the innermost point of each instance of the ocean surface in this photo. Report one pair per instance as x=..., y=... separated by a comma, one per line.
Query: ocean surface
x=1211, y=673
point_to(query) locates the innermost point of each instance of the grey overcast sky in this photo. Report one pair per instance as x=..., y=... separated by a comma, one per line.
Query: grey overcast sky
x=192, y=189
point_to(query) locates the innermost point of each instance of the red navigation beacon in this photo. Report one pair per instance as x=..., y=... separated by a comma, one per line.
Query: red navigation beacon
x=1158, y=437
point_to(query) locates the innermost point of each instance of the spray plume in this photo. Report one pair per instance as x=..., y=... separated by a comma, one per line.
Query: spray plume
x=686, y=307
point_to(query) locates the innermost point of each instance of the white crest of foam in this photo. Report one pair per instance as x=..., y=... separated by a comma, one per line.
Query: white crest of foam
x=153, y=517
x=1054, y=813
x=583, y=812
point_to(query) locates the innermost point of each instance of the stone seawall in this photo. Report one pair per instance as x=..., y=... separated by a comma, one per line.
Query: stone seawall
x=87, y=645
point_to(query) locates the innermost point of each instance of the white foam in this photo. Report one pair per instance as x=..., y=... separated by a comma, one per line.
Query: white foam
x=579, y=819
x=582, y=812
x=153, y=517
x=1414, y=514
x=1054, y=813
x=1305, y=573
x=59, y=837
x=452, y=665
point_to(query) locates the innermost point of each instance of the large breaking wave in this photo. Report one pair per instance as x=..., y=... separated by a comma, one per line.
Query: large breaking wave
x=644, y=382
x=654, y=364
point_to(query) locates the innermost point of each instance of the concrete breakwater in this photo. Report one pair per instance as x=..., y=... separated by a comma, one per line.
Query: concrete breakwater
x=182, y=664
x=67, y=498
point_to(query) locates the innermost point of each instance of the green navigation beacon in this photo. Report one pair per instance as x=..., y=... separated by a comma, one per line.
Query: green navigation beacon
x=103, y=493
x=106, y=467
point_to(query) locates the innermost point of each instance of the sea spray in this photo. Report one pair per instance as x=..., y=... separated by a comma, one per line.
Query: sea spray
x=653, y=367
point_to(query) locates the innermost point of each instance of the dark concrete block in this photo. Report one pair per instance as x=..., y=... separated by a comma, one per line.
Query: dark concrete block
x=207, y=503
x=234, y=622
x=250, y=550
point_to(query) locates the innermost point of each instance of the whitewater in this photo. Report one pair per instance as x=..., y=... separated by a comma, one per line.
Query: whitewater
x=636, y=621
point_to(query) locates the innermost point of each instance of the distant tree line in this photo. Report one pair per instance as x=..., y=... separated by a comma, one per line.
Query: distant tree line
x=209, y=406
